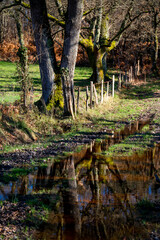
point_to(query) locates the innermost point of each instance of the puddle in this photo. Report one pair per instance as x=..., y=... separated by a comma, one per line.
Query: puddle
x=93, y=194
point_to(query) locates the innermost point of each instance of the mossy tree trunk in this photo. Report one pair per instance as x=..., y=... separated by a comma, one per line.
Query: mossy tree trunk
x=99, y=42
x=97, y=60
x=22, y=66
x=70, y=48
x=97, y=46
x=98, y=69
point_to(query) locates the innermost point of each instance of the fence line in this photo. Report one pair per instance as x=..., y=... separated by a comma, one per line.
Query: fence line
x=103, y=88
x=91, y=98
x=134, y=74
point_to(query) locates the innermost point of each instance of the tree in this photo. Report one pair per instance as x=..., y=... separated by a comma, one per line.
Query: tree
x=1, y=28
x=105, y=31
x=70, y=48
x=44, y=45
x=22, y=66
x=154, y=9
x=45, y=50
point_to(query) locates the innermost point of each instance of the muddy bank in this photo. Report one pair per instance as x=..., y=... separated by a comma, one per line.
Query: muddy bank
x=56, y=148
x=19, y=221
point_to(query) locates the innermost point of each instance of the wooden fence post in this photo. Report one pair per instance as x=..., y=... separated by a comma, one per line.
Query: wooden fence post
x=95, y=93
x=138, y=68
x=78, y=99
x=102, y=91
x=126, y=77
x=113, y=81
x=119, y=82
x=87, y=97
x=107, y=90
x=91, y=94
x=131, y=73
x=31, y=98
x=122, y=78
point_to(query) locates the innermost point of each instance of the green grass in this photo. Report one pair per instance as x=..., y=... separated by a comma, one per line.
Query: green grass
x=14, y=174
x=144, y=91
x=81, y=76
x=9, y=85
x=138, y=143
x=113, y=114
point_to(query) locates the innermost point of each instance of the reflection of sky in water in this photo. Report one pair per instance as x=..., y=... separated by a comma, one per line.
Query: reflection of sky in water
x=140, y=190
x=149, y=190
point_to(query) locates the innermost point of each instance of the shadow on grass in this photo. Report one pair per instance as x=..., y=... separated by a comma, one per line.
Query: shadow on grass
x=150, y=90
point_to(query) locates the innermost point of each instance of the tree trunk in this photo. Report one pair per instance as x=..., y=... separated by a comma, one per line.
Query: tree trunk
x=156, y=44
x=98, y=68
x=70, y=48
x=44, y=46
x=97, y=59
x=22, y=66
x=1, y=28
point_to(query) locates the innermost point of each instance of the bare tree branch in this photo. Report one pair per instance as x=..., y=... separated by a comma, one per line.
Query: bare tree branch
x=60, y=8
x=9, y=6
x=123, y=27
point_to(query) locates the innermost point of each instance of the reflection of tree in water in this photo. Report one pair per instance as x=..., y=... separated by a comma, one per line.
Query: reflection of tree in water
x=94, y=220
x=41, y=178
x=100, y=221
x=66, y=221
x=24, y=186
x=95, y=193
x=72, y=219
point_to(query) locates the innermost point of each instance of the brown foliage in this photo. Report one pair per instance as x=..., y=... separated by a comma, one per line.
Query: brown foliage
x=8, y=51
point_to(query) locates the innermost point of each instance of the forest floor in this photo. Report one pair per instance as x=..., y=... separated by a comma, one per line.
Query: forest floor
x=30, y=138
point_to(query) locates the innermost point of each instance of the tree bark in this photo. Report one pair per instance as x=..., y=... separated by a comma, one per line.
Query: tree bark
x=44, y=46
x=156, y=43
x=22, y=66
x=70, y=48
x=1, y=28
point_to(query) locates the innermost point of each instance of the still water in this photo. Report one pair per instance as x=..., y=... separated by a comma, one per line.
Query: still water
x=93, y=194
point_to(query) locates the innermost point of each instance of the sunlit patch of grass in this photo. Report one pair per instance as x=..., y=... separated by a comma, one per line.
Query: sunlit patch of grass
x=81, y=76
x=9, y=85
x=142, y=91
x=138, y=142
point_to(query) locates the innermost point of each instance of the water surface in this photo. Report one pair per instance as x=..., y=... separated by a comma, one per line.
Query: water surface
x=94, y=195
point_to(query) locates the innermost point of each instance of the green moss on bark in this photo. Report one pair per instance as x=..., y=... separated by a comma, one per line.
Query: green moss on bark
x=56, y=97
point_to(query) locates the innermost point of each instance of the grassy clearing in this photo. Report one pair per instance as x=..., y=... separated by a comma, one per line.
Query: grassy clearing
x=9, y=84
x=10, y=87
